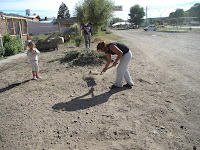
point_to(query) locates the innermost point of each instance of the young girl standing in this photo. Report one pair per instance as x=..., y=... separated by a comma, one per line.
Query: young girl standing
x=33, y=55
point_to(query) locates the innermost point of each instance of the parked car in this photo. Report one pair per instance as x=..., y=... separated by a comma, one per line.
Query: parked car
x=151, y=27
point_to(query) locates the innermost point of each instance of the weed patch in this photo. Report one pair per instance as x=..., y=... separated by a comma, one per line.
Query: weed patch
x=85, y=57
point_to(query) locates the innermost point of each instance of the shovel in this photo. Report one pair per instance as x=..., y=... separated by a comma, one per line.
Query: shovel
x=99, y=73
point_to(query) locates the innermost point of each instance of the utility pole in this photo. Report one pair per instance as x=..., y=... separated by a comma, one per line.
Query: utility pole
x=146, y=15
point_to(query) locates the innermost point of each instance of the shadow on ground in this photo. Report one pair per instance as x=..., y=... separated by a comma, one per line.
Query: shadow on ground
x=80, y=103
x=13, y=85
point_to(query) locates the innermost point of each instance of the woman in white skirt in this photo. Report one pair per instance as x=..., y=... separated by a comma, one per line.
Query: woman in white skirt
x=124, y=56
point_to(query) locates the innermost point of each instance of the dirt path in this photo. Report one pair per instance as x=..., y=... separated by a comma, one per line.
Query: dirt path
x=63, y=111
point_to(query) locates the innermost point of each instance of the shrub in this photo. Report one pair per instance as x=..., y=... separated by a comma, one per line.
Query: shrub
x=6, y=38
x=70, y=56
x=86, y=57
x=78, y=40
x=11, y=45
x=1, y=51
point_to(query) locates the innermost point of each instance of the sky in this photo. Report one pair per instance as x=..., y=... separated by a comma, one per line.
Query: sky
x=49, y=8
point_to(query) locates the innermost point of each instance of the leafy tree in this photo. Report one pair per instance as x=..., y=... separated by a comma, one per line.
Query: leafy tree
x=172, y=18
x=175, y=16
x=81, y=12
x=63, y=11
x=192, y=12
x=171, y=15
x=95, y=11
x=195, y=10
x=179, y=13
x=136, y=14
x=186, y=14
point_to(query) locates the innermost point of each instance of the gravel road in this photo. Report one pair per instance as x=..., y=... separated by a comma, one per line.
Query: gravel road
x=178, y=54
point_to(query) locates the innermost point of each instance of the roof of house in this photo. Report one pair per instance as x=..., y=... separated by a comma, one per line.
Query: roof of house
x=44, y=21
x=66, y=20
x=14, y=16
x=32, y=16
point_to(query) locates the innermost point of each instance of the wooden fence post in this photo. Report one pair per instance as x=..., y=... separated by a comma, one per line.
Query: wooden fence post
x=59, y=27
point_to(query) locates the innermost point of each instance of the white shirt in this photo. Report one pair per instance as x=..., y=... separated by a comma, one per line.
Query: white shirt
x=33, y=56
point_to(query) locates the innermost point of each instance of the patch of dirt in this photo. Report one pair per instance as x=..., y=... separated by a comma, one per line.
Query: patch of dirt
x=69, y=109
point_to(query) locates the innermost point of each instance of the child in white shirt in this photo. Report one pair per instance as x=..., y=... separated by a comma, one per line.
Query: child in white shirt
x=32, y=53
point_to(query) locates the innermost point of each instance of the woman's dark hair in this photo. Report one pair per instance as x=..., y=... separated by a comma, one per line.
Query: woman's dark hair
x=101, y=46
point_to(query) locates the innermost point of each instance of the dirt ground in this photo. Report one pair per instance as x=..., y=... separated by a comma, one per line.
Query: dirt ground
x=65, y=112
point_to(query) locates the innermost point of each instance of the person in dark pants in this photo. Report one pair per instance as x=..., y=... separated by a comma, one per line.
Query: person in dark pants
x=87, y=32
x=124, y=56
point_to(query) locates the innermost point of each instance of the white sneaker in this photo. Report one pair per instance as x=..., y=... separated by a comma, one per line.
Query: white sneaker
x=38, y=77
x=34, y=78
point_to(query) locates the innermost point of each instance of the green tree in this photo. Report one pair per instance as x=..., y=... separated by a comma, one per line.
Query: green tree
x=136, y=14
x=179, y=13
x=95, y=11
x=175, y=16
x=187, y=14
x=195, y=11
x=63, y=11
x=171, y=15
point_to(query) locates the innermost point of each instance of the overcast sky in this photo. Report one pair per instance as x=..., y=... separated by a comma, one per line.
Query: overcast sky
x=49, y=8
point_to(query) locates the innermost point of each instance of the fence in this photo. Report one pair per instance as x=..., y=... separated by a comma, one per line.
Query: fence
x=35, y=28
x=1, y=46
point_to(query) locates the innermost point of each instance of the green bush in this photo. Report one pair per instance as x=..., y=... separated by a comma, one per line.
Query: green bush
x=1, y=51
x=6, y=38
x=11, y=45
x=86, y=57
x=78, y=40
x=70, y=56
